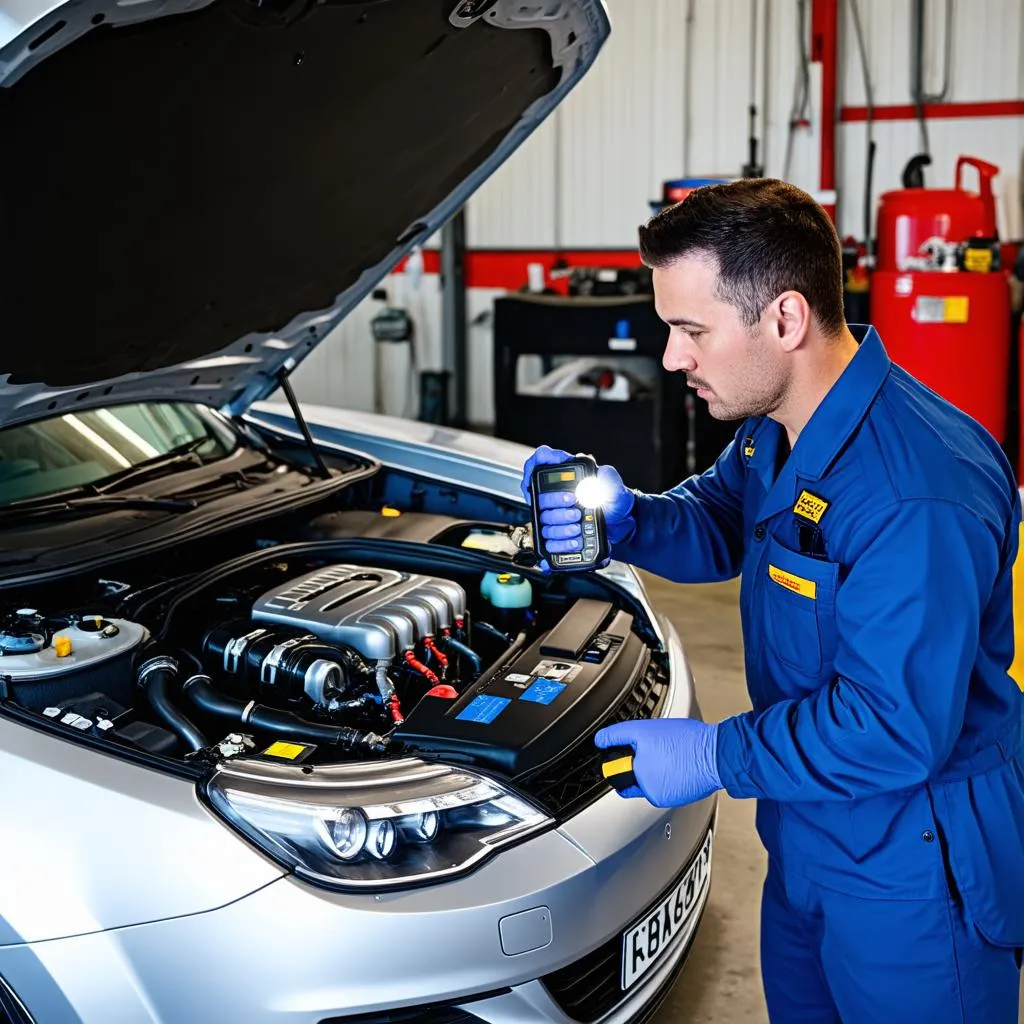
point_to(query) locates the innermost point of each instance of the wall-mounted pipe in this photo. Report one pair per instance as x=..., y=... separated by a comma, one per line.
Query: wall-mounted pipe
x=825, y=50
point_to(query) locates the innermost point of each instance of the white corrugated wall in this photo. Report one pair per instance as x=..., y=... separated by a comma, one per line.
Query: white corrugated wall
x=987, y=63
x=584, y=180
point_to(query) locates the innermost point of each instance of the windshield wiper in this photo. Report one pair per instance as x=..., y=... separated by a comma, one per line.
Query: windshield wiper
x=87, y=505
x=181, y=454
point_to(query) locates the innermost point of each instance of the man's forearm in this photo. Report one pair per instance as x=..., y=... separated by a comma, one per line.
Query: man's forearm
x=683, y=536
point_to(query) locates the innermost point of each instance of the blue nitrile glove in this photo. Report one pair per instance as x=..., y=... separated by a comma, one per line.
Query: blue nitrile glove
x=560, y=516
x=674, y=759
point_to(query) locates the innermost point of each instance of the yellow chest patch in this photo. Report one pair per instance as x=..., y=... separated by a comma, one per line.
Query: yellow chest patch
x=796, y=584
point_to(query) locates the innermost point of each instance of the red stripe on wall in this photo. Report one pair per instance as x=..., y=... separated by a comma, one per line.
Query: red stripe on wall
x=506, y=268
x=934, y=111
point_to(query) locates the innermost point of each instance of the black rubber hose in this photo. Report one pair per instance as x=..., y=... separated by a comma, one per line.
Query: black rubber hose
x=202, y=693
x=467, y=652
x=157, y=678
x=486, y=627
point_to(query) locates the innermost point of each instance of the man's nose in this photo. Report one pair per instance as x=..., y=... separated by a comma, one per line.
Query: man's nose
x=678, y=355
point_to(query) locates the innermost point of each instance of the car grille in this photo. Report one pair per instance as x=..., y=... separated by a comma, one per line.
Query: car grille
x=574, y=780
x=590, y=988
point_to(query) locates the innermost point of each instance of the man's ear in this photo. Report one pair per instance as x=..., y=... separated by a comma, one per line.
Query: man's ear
x=789, y=320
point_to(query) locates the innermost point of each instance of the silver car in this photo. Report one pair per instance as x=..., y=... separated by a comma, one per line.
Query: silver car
x=291, y=730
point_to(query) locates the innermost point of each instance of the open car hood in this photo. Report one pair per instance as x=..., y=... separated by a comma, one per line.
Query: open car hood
x=193, y=193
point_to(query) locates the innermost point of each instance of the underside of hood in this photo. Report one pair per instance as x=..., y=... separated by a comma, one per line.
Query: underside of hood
x=192, y=195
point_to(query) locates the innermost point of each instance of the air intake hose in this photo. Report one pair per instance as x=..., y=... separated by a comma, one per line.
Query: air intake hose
x=202, y=693
x=156, y=677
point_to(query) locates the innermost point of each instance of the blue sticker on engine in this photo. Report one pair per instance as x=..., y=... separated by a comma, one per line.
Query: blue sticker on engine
x=543, y=691
x=483, y=709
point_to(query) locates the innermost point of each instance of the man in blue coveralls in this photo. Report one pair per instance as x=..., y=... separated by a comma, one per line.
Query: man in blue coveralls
x=875, y=528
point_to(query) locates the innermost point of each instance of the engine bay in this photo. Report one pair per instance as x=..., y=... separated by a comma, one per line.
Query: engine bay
x=327, y=650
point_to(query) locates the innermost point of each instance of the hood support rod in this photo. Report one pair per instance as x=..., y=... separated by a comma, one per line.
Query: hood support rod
x=286, y=387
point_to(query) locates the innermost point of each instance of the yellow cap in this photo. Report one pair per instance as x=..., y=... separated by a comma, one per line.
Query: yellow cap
x=62, y=645
x=387, y=510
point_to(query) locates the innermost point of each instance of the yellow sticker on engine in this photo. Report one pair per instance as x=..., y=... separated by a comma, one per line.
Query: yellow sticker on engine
x=810, y=506
x=290, y=751
x=797, y=584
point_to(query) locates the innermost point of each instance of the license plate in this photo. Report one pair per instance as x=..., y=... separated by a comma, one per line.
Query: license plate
x=644, y=944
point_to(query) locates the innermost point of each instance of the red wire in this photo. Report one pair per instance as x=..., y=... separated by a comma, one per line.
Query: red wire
x=418, y=666
x=396, y=709
x=432, y=647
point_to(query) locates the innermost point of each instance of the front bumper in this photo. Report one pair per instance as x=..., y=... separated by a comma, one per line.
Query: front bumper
x=291, y=953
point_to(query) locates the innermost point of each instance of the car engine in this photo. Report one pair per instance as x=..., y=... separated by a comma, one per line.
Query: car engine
x=379, y=612
x=314, y=639
x=289, y=654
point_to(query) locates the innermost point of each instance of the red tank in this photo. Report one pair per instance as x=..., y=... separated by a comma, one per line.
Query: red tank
x=939, y=298
x=909, y=217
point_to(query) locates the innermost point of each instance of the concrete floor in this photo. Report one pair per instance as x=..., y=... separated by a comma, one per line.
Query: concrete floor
x=722, y=978
x=721, y=981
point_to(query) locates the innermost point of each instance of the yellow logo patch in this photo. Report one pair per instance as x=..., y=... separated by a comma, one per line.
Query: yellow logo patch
x=1017, y=668
x=797, y=584
x=810, y=506
x=749, y=450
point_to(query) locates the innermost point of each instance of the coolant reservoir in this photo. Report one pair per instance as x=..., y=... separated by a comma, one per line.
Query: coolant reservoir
x=506, y=590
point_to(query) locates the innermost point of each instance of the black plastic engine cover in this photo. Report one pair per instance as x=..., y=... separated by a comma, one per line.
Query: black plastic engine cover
x=534, y=706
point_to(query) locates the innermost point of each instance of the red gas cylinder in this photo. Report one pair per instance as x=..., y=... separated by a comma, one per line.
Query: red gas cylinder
x=909, y=217
x=939, y=298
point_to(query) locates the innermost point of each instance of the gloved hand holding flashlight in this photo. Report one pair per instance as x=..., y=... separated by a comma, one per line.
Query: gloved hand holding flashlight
x=560, y=514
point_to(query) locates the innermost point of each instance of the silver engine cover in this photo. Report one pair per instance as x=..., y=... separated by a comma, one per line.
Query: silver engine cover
x=378, y=612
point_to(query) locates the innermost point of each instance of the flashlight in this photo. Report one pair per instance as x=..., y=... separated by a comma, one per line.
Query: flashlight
x=578, y=476
x=593, y=492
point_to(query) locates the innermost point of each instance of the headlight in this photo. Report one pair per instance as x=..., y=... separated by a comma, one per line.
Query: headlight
x=372, y=826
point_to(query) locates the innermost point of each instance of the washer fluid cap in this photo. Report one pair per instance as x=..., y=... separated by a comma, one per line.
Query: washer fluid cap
x=507, y=590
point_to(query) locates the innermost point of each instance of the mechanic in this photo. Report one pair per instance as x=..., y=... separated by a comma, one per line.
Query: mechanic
x=875, y=528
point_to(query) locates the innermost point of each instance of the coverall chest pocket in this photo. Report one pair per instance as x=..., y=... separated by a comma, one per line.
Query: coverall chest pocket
x=799, y=603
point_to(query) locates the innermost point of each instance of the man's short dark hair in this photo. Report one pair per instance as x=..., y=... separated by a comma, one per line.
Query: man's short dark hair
x=766, y=236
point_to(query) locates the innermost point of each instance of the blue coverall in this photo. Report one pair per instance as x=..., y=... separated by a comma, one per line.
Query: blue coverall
x=884, y=744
